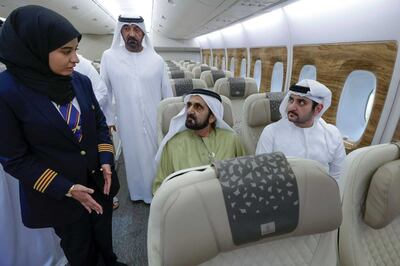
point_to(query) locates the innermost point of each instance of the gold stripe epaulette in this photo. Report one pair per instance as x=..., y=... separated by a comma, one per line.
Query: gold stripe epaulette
x=44, y=180
x=106, y=147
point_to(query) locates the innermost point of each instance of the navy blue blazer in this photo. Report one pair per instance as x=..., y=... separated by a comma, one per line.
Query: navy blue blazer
x=38, y=148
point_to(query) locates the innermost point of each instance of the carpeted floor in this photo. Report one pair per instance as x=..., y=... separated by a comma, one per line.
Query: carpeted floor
x=130, y=225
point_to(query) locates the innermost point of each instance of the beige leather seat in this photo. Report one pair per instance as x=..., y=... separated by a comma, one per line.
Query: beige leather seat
x=181, y=87
x=211, y=76
x=192, y=65
x=236, y=89
x=370, y=232
x=180, y=74
x=190, y=223
x=196, y=71
x=170, y=107
x=259, y=110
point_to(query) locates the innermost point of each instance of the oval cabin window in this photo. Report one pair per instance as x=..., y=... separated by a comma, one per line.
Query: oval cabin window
x=223, y=66
x=308, y=72
x=243, y=68
x=355, y=104
x=257, y=73
x=277, y=77
x=232, y=66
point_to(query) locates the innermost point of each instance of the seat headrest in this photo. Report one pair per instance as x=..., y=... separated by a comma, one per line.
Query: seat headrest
x=181, y=87
x=265, y=110
x=211, y=76
x=170, y=111
x=382, y=203
x=177, y=74
x=236, y=87
x=189, y=212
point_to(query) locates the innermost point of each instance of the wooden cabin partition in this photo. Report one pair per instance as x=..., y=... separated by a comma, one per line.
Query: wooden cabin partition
x=206, y=53
x=268, y=56
x=334, y=63
x=218, y=54
x=238, y=54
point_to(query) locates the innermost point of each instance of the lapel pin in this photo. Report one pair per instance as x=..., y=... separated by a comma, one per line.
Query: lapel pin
x=92, y=106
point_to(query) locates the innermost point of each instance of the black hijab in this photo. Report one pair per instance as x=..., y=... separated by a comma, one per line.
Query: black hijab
x=28, y=35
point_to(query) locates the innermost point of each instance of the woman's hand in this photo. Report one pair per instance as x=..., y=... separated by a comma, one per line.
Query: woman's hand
x=82, y=194
x=106, y=169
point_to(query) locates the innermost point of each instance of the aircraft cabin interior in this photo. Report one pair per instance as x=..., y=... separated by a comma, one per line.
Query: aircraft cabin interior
x=250, y=52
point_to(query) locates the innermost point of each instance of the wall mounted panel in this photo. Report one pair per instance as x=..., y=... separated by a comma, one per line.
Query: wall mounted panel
x=220, y=54
x=238, y=54
x=268, y=56
x=334, y=62
x=206, y=53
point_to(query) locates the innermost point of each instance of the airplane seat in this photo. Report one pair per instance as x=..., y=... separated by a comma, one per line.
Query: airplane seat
x=236, y=88
x=174, y=68
x=181, y=87
x=259, y=110
x=196, y=71
x=191, y=66
x=370, y=232
x=180, y=74
x=266, y=211
x=211, y=76
x=170, y=107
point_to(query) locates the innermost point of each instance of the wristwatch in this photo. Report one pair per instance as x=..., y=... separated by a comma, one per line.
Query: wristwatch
x=69, y=191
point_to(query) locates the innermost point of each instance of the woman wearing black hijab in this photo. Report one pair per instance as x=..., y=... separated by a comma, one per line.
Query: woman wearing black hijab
x=54, y=137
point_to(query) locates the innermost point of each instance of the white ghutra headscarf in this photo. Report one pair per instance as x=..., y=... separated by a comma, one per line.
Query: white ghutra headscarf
x=312, y=90
x=213, y=101
x=129, y=19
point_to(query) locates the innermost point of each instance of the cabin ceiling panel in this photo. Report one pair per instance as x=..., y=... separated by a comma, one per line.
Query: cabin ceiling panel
x=190, y=18
x=86, y=16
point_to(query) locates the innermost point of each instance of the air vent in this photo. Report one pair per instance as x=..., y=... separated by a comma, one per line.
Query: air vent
x=74, y=7
x=172, y=2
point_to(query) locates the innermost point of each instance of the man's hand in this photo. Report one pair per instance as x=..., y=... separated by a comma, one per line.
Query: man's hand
x=82, y=194
x=106, y=169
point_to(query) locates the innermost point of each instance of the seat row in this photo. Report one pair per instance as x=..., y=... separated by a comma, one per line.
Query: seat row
x=267, y=210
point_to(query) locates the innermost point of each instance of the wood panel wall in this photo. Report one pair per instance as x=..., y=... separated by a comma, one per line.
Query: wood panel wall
x=268, y=56
x=238, y=54
x=219, y=53
x=334, y=62
x=206, y=53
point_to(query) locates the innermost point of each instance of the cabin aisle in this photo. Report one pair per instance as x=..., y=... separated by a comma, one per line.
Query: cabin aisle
x=129, y=225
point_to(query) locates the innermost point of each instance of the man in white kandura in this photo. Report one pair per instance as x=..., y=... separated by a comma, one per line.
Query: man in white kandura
x=302, y=132
x=86, y=68
x=197, y=136
x=137, y=77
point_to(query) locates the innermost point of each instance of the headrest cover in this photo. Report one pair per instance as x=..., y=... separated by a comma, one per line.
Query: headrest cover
x=183, y=86
x=383, y=199
x=261, y=196
x=237, y=87
x=177, y=74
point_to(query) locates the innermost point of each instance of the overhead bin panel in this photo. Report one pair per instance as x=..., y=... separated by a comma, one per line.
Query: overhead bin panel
x=86, y=16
